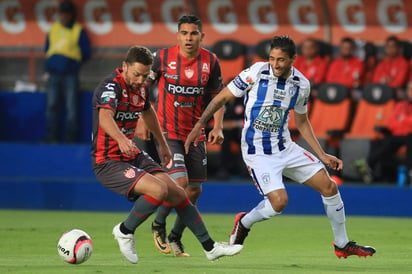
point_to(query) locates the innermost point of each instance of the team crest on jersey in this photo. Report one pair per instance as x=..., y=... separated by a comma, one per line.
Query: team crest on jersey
x=293, y=90
x=189, y=72
x=205, y=68
x=130, y=173
x=124, y=93
x=135, y=99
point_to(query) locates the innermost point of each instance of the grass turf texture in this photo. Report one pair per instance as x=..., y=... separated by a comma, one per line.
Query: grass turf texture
x=284, y=244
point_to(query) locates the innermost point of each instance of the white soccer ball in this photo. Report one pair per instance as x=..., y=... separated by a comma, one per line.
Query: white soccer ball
x=75, y=246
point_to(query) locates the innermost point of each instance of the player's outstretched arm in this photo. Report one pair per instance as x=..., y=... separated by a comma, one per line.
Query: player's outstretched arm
x=218, y=102
x=305, y=129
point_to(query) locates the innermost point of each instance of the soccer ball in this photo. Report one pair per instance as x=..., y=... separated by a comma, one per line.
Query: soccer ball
x=75, y=246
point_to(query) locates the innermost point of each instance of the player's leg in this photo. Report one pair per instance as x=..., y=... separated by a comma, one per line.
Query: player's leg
x=177, y=171
x=159, y=227
x=335, y=211
x=195, y=162
x=136, y=185
x=266, y=172
x=189, y=215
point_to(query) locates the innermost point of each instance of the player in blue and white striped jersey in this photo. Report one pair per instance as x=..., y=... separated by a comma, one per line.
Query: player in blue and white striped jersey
x=271, y=90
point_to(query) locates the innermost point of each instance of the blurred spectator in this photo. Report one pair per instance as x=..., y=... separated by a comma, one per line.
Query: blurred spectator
x=347, y=69
x=398, y=133
x=67, y=46
x=231, y=162
x=393, y=69
x=370, y=60
x=310, y=63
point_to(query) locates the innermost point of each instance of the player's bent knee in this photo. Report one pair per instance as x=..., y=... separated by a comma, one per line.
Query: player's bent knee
x=330, y=189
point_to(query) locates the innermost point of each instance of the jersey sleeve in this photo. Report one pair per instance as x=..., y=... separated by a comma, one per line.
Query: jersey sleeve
x=108, y=94
x=301, y=105
x=155, y=72
x=244, y=81
x=215, y=83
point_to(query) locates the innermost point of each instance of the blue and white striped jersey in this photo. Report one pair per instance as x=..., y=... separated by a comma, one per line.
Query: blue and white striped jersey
x=268, y=101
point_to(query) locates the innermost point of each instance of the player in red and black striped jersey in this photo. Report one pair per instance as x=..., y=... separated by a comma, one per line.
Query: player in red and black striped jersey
x=119, y=165
x=187, y=76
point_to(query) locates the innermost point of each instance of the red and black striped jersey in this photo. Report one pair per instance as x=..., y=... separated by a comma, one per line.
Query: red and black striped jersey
x=114, y=94
x=185, y=87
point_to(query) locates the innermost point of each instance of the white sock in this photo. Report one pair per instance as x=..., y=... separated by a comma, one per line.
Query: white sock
x=261, y=212
x=336, y=213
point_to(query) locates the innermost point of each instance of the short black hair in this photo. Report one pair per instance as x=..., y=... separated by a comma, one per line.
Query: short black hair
x=349, y=40
x=67, y=6
x=395, y=39
x=285, y=44
x=139, y=54
x=190, y=19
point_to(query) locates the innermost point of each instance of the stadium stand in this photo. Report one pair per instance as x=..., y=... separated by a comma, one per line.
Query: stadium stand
x=232, y=58
x=261, y=52
x=372, y=111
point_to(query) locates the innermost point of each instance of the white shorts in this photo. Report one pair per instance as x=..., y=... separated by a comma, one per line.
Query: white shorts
x=293, y=162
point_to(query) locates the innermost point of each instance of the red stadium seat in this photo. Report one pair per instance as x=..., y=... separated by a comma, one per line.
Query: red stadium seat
x=373, y=109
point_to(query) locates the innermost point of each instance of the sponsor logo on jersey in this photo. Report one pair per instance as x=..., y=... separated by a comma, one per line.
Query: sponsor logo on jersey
x=269, y=120
x=108, y=94
x=127, y=131
x=279, y=94
x=184, y=90
x=205, y=67
x=127, y=115
x=110, y=86
x=184, y=104
x=172, y=65
x=171, y=76
x=205, y=78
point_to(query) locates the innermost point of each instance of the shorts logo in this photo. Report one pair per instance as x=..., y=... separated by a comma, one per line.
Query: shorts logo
x=266, y=178
x=130, y=173
x=178, y=157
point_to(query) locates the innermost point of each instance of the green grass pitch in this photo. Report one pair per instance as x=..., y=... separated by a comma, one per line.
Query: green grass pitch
x=284, y=244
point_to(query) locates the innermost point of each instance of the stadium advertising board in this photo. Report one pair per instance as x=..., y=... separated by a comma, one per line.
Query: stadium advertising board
x=112, y=23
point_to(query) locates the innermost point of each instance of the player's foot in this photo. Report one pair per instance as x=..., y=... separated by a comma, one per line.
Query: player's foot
x=239, y=232
x=159, y=237
x=126, y=244
x=222, y=249
x=176, y=246
x=352, y=248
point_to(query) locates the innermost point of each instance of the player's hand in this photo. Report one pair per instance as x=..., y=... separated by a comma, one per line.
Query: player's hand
x=142, y=131
x=332, y=162
x=216, y=136
x=193, y=136
x=127, y=147
x=165, y=155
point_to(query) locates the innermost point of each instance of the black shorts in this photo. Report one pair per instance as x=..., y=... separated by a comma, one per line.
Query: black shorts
x=193, y=165
x=121, y=177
